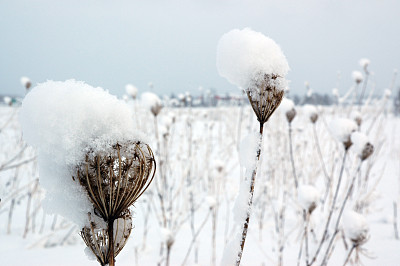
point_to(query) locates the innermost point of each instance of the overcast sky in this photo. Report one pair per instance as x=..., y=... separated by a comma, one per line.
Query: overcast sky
x=173, y=42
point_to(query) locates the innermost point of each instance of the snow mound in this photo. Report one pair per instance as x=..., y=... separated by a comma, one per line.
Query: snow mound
x=342, y=128
x=245, y=56
x=63, y=121
x=248, y=150
x=355, y=226
x=308, y=197
x=286, y=105
x=357, y=76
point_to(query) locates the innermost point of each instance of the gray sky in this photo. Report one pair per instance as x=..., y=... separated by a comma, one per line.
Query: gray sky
x=173, y=42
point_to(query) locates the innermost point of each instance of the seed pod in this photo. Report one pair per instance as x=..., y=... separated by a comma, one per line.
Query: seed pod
x=116, y=178
x=367, y=151
x=266, y=96
x=290, y=115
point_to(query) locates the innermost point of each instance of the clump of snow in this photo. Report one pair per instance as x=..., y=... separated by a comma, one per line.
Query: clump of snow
x=231, y=251
x=387, y=93
x=357, y=117
x=286, y=105
x=308, y=197
x=26, y=82
x=342, y=128
x=241, y=208
x=131, y=90
x=355, y=227
x=359, y=141
x=63, y=121
x=245, y=56
x=248, y=150
x=7, y=100
x=364, y=62
x=212, y=202
x=152, y=102
x=335, y=92
x=357, y=76
x=311, y=112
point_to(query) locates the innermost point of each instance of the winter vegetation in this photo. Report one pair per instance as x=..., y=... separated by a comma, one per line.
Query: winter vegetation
x=85, y=176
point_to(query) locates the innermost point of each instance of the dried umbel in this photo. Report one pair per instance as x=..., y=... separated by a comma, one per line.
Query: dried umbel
x=290, y=115
x=97, y=239
x=156, y=108
x=265, y=96
x=114, y=179
x=367, y=151
x=314, y=117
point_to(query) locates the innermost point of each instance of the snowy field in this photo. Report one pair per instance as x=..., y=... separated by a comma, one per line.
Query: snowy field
x=201, y=154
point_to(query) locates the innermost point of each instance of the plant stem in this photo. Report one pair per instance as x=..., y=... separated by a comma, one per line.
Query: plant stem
x=251, y=190
x=111, y=257
x=296, y=182
x=349, y=254
x=330, y=211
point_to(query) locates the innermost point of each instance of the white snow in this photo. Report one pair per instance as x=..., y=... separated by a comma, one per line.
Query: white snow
x=286, y=105
x=150, y=100
x=245, y=56
x=248, y=150
x=308, y=196
x=355, y=225
x=342, y=128
x=310, y=110
x=7, y=100
x=131, y=90
x=64, y=120
x=25, y=81
x=357, y=76
x=359, y=141
x=364, y=62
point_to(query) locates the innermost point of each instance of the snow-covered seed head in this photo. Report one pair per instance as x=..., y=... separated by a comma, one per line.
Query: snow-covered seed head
x=364, y=63
x=26, y=82
x=131, y=90
x=357, y=118
x=266, y=98
x=290, y=115
x=311, y=112
x=7, y=100
x=97, y=238
x=257, y=65
x=342, y=128
x=367, y=151
x=114, y=179
x=357, y=76
x=153, y=102
x=362, y=145
x=356, y=228
x=308, y=197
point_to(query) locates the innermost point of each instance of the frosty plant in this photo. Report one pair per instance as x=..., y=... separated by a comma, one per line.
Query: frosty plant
x=93, y=163
x=256, y=64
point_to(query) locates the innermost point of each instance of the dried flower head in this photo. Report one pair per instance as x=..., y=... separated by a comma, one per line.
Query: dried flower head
x=97, y=238
x=367, y=151
x=115, y=179
x=290, y=115
x=265, y=96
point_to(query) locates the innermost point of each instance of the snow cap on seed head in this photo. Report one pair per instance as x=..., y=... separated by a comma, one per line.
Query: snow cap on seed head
x=342, y=128
x=362, y=145
x=131, y=90
x=357, y=76
x=364, y=63
x=311, y=112
x=287, y=108
x=308, y=197
x=256, y=64
x=26, y=82
x=152, y=101
x=355, y=227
